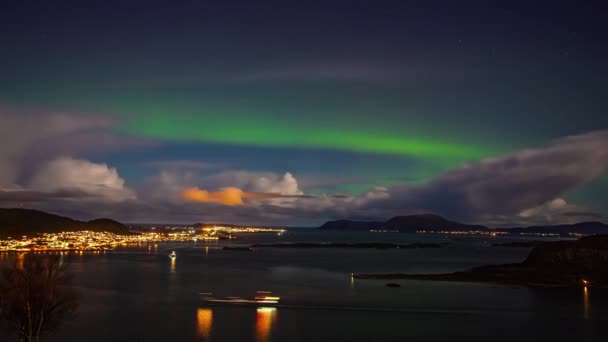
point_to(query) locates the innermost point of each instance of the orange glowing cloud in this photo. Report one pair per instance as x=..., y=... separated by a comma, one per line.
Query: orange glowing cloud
x=227, y=196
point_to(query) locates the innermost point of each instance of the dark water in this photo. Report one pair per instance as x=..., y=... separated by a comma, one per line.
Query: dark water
x=137, y=294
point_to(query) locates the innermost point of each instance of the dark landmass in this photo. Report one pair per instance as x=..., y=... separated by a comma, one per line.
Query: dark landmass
x=15, y=222
x=243, y=249
x=348, y=245
x=519, y=244
x=414, y=223
x=404, y=224
x=561, y=263
x=392, y=285
x=435, y=223
x=584, y=228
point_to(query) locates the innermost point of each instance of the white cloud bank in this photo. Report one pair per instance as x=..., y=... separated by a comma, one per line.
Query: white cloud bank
x=67, y=174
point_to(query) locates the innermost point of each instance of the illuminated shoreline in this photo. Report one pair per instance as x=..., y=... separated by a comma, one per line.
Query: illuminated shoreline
x=229, y=229
x=101, y=241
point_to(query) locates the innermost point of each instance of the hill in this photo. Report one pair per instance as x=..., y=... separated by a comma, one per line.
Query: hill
x=413, y=223
x=17, y=222
x=405, y=224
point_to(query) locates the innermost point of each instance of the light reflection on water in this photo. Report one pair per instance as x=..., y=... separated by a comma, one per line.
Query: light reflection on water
x=204, y=321
x=265, y=322
x=172, y=269
x=265, y=318
x=586, y=305
x=120, y=286
x=20, y=258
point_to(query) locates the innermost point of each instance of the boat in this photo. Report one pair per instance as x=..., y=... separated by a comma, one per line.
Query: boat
x=173, y=255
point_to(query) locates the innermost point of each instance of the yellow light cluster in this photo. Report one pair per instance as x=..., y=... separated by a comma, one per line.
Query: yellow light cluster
x=459, y=232
x=87, y=240
x=244, y=229
x=542, y=234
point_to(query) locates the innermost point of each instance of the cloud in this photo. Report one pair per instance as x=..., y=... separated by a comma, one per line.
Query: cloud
x=270, y=187
x=226, y=196
x=527, y=187
x=556, y=211
x=167, y=185
x=511, y=184
x=68, y=174
x=546, y=209
x=20, y=196
x=32, y=137
x=21, y=130
x=263, y=187
x=285, y=184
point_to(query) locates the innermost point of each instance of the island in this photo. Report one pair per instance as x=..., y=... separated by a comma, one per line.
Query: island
x=404, y=224
x=375, y=245
x=582, y=262
x=435, y=224
x=524, y=244
x=241, y=249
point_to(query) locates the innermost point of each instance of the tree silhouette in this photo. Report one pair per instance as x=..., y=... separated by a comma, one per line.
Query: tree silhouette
x=36, y=296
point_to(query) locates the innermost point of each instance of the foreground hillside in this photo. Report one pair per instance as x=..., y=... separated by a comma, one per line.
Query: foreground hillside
x=17, y=222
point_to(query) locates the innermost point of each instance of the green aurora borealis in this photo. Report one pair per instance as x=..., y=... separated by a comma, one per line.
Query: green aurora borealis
x=258, y=132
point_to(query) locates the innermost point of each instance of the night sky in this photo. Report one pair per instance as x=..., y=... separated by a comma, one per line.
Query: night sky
x=292, y=113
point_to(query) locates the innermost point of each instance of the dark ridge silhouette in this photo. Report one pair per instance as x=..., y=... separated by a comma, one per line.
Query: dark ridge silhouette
x=404, y=224
x=376, y=245
x=413, y=223
x=16, y=222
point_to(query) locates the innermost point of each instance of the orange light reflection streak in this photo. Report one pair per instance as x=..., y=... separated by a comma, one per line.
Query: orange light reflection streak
x=204, y=321
x=265, y=318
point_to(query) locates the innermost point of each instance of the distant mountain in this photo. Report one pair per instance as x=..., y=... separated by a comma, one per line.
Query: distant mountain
x=17, y=222
x=413, y=223
x=406, y=224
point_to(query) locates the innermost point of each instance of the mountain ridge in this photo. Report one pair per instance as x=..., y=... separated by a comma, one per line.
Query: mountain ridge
x=413, y=223
x=16, y=222
x=404, y=224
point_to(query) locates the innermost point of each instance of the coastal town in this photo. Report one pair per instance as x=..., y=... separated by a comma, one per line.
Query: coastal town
x=100, y=241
